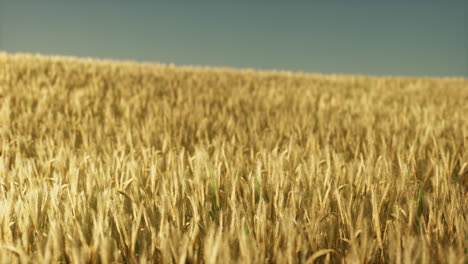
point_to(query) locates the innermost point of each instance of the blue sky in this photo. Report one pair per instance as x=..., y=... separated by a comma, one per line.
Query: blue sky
x=420, y=38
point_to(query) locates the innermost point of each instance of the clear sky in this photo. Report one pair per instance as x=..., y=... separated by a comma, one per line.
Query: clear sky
x=395, y=37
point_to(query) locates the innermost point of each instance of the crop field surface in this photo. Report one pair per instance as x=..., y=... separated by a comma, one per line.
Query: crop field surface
x=122, y=162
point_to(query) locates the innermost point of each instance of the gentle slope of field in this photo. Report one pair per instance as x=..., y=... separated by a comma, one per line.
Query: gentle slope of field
x=106, y=161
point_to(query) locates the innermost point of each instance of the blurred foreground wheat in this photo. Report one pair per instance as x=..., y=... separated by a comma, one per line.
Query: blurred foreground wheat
x=105, y=161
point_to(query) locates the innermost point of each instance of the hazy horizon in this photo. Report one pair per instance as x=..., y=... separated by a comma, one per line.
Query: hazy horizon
x=366, y=38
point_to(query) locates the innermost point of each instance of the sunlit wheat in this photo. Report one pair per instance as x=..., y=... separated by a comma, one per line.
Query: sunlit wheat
x=105, y=162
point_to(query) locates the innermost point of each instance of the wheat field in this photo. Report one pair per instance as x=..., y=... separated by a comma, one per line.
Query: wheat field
x=122, y=162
